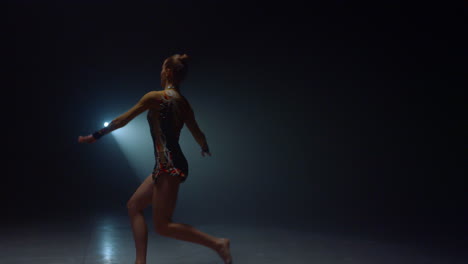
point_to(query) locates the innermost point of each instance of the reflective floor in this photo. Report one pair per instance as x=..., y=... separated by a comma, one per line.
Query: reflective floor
x=109, y=240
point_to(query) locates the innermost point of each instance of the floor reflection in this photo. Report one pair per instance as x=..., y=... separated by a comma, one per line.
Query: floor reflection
x=109, y=240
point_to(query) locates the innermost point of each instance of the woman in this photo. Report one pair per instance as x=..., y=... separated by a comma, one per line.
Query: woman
x=168, y=111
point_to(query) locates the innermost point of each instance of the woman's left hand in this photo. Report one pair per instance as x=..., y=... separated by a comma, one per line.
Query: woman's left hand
x=86, y=139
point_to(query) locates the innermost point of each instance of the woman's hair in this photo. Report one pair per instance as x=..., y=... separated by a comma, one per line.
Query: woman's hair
x=178, y=64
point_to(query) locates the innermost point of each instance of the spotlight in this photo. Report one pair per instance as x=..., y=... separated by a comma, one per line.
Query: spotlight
x=106, y=124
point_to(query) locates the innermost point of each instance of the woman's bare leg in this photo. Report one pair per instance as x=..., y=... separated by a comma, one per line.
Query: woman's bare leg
x=139, y=201
x=164, y=201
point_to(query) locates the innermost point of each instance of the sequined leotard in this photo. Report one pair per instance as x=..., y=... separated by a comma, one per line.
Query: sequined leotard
x=165, y=126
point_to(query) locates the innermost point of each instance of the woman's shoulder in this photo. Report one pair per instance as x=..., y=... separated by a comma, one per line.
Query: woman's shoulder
x=154, y=94
x=186, y=101
x=153, y=99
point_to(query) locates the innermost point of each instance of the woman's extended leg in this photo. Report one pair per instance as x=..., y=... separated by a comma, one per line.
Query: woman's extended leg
x=139, y=201
x=164, y=202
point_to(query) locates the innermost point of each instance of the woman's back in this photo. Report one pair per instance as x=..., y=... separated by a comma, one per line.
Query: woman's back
x=167, y=121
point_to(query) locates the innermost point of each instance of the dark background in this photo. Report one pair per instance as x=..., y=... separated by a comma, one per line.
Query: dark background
x=334, y=114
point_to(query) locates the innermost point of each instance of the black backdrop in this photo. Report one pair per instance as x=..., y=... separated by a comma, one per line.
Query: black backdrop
x=335, y=111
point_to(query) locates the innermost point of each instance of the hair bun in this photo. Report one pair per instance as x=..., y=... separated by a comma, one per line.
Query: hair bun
x=184, y=58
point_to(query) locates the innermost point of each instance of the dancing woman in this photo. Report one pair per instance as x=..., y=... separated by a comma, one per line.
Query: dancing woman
x=168, y=111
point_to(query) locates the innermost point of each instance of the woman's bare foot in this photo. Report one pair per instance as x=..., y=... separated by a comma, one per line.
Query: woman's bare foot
x=224, y=250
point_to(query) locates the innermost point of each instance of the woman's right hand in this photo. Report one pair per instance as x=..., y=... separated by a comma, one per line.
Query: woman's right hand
x=207, y=152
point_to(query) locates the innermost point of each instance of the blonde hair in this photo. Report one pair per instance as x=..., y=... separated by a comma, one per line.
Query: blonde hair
x=178, y=64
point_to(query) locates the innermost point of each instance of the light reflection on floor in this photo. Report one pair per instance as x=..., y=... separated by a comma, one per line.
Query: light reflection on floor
x=135, y=141
x=109, y=240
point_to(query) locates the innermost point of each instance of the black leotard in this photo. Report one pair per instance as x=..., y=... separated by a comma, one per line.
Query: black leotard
x=165, y=126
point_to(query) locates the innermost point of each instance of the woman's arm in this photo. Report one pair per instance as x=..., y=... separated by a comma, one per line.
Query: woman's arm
x=148, y=100
x=197, y=134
